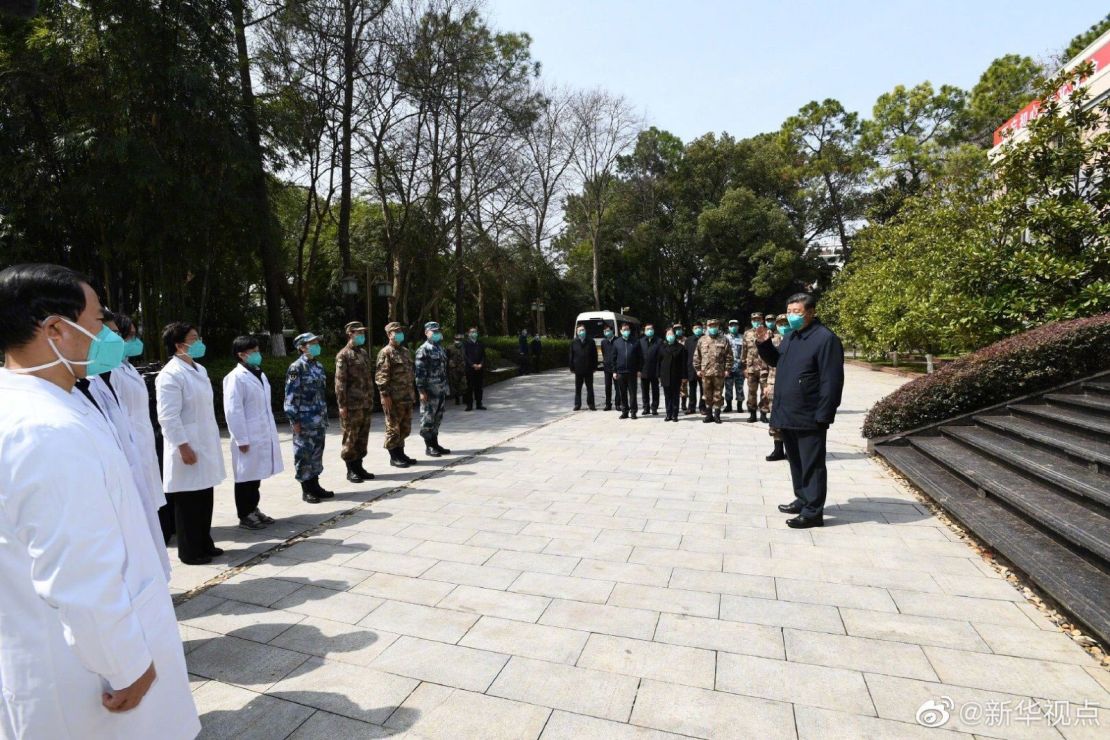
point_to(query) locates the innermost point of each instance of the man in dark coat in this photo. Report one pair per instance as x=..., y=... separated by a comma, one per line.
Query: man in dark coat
x=627, y=363
x=650, y=346
x=475, y=355
x=672, y=371
x=809, y=380
x=522, y=349
x=691, y=374
x=607, y=367
x=583, y=363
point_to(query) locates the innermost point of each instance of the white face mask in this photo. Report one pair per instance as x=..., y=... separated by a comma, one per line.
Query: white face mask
x=61, y=359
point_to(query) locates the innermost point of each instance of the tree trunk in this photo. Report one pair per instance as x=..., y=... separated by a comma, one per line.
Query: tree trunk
x=459, y=281
x=597, y=292
x=835, y=198
x=480, y=296
x=268, y=250
x=505, y=309
x=343, y=238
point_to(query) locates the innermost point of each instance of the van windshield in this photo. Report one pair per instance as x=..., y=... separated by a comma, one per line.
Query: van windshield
x=595, y=327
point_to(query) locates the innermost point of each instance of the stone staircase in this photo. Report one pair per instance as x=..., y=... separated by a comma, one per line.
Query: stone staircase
x=1031, y=478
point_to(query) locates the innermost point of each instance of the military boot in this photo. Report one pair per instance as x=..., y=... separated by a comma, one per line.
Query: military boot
x=308, y=493
x=751, y=417
x=728, y=407
x=429, y=449
x=396, y=460
x=717, y=416
x=406, y=458
x=319, y=490
x=439, y=448
x=763, y=417
x=366, y=475
x=352, y=473
x=708, y=418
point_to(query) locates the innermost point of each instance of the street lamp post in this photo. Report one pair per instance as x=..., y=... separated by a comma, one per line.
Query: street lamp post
x=348, y=285
x=538, y=309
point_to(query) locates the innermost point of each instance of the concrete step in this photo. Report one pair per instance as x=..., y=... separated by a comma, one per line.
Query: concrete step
x=1075, y=445
x=1085, y=421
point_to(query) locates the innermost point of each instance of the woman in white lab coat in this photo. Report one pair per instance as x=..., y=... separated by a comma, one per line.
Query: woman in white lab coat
x=192, y=457
x=90, y=647
x=255, y=449
x=121, y=394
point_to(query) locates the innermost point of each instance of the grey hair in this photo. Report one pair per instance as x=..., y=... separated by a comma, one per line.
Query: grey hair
x=806, y=299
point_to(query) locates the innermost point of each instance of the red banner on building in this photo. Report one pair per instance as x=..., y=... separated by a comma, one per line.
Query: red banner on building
x=1100, y=58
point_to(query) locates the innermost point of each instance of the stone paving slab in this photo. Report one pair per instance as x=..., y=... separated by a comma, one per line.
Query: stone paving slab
x=589, y=577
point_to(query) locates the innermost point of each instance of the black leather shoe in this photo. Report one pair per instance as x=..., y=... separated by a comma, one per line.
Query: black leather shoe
x=707, y=419
x=790, y=508
x=431, y=451
x=608, y=407
x=396, y=460
x=624, y=415
x=593, y=408
x=775, y=456
x=633, y=414
x=439, y=448
x=468, y=408
x=202, y=560
x=728, y=407
x=801, y=522
x=480, y=407
x=763, y=417
x=717, y=416
x=577, y=408
x=308, y=493
x=213, y=552
x=352, y=474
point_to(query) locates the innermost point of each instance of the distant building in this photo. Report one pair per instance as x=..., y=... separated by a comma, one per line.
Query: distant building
x=830, y=254
x=1098, y=89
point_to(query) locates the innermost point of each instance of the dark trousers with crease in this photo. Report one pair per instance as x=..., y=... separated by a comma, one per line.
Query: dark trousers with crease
x=626, y=392
x=805, y=451
x=588, y=381
x=649, y=389
x=474, y=386
x=671, y=396
x=193, y=516
x=609, y=387
x=693, y=386
x=247, y=496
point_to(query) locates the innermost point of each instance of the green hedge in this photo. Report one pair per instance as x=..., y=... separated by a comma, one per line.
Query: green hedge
x=1030, y=362
x=553, y=354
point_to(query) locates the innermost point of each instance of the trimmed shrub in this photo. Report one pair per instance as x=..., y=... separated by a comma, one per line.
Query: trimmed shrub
x=553, y=353
x=1033, y=361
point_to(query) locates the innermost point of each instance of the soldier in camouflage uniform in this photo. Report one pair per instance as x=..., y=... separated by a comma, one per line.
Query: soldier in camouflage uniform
x=712, y=363
x=755, y=372
x=433, y=386
x=782, y=328
x=736, y=379
x=354, y=391
x=307, y=408
x=456, y=368
x=393, y=373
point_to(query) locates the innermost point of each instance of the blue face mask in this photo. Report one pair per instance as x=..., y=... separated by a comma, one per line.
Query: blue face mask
x=713, y=331
x=608, y=335
x=733, y=329
x=670, y=339
x=678, y=332
x=133, y=347
x=437, y=337
x=314, y=349
x=360, y=339
x=196, y=350
x=399, y=337
x=770, y=324
x=105, y=352
x=581, y=335
x=650, y=333
x=697, y=332
x=626, y=333
x=797, y=321
x=784, y=330
x=254, y=359
x=756, y=324
x=474, y=336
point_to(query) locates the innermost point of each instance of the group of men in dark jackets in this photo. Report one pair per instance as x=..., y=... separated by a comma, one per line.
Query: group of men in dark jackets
x=808, y=360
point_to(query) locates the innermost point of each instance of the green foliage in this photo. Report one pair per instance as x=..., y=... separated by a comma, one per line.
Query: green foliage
x=1007, y=85
x=1034, y=361
x=1085, y=39
x=553, y=353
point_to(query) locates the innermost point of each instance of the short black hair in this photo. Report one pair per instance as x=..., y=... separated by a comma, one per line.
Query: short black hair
x=174, y=334
x=124, y=324
x=33, y=292
x=243, y=344
x=807, y=300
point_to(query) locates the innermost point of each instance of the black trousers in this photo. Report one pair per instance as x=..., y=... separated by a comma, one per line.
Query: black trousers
x=193, y=515
x=588, y=381
x=247, y=496
x=474, y=380
x=608, y=387
x=626, y=391
x=167, y=519
x=692, y=387
x=671, y=395
x=805, y=451
x=649, y=388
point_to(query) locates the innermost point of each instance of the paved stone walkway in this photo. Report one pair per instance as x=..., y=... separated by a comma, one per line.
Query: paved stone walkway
x=588, y=577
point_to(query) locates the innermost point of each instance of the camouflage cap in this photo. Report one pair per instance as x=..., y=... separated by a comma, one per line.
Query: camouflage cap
x=306, y=338
x=431, y=326
x=712, y=322
x=757, y=315
x=393, y=326
x=781, y=319
x=354, y=326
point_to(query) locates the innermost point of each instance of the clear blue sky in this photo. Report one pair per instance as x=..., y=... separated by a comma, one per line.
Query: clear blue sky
x=745, y=66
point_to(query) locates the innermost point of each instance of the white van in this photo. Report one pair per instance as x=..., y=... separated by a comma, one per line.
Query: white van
x=596, y=322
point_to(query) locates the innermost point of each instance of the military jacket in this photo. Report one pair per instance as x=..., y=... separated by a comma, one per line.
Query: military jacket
x=750, y=358
x=431, y=369
x=305, y=392
x=736, y=344
x=456, y=365
x=394, y=373
x=353, y=379
x=713, y=356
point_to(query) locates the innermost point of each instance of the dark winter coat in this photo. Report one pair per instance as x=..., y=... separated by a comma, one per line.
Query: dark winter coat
x=650, y=347
x=583, y=357
x=672, y=363
x=809, y=377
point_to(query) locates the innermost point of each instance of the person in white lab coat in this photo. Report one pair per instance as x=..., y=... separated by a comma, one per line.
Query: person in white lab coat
x=108, y=391
x=90, y=647
x=192, y=456
x=255, y=449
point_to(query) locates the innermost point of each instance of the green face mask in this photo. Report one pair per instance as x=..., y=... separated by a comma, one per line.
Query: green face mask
x=785, y=329
x=713, y=331
x=196, y=350
x=770, y=324
x=254, y=359
x=678, y=332
x=474, y=336
x=608, y=334
x=650, y=332
x=437, y=337
x=670, y=339
x=697, y=332
x=399, y=337
x=756, y=324
x=733, y=329
x=314, y=349
x=133, y=347
x=360, y=339
x=626, y=333
x=581, y=335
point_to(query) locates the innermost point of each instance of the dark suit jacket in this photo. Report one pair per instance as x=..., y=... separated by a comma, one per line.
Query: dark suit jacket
x=583, y=357
x=809, y=377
